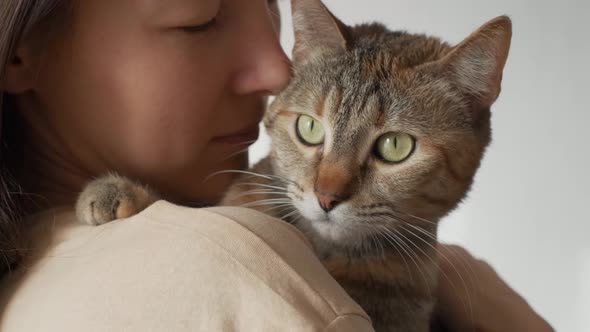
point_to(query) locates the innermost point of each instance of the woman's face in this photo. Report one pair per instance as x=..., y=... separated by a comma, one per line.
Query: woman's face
x=167, y=92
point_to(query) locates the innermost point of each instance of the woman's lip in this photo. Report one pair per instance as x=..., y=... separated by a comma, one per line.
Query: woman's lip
x=244, y=137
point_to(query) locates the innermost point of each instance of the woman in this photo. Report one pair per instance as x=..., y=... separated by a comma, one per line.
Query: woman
x=165, y=93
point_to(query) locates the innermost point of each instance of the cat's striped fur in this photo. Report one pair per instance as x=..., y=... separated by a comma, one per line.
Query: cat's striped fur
x=379, y=243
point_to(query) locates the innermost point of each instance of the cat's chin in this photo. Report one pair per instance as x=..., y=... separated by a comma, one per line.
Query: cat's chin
x=330, y=237
x=333, y=231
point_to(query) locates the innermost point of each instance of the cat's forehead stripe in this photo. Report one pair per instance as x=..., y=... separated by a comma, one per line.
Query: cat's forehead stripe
x=380, y=117
x=320, y=106
x=333, y=99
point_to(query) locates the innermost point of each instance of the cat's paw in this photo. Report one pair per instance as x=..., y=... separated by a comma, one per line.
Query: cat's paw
x=112, y=197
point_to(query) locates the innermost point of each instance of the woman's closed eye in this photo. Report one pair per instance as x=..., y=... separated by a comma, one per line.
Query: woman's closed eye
x=203, y=27
x=200, y=27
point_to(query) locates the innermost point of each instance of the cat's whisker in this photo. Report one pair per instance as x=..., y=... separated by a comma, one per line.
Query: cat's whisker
x=271, y=201
x=270, y=177
x=413, y=254
x=281, y=199
x=416, y=217
x=429, y=234
x=236, y=171
x=296, y=220
x=394, y=241
x=433, y=237
x=406, y=248
x=260, y=205
x=259, y=192
x=418, y=257
x=370, y=246
x=267, y=202
x=286, y=214
x=378, y=244
x=470, y=274
x=469, y=304
x=283, y=179
x=264, y=190
x=462, y=261
x=385, y=233
x=250, y=177
x=277, y=206
x=261, y=185
x=379, y=234
x=295, y=211
x=244, y=150
x=282, y=207
x=393, y=212
x=465, y=264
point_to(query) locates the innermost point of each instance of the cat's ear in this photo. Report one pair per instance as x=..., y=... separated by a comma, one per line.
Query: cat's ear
x=476, y=64
x=317, y=31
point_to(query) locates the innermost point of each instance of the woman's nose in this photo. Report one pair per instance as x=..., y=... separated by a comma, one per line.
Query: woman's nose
x=265, y=68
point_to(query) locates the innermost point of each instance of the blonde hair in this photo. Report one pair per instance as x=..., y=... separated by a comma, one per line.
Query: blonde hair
x=18, y=21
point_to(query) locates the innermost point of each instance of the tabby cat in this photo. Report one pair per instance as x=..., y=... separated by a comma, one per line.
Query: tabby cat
x=377, y=137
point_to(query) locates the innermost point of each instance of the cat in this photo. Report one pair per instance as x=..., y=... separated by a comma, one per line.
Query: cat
x=377, y=137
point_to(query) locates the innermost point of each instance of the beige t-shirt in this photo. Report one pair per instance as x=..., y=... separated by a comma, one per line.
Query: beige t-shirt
x=172, y=268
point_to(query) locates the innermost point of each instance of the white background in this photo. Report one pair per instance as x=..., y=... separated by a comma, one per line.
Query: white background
x=528, y=213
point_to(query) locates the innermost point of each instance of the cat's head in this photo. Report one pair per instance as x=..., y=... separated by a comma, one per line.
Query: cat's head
x=382, y=130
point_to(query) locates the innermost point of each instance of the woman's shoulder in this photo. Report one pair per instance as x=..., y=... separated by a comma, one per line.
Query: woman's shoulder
x=235, y=220
x=172, y=268
x=57, y=231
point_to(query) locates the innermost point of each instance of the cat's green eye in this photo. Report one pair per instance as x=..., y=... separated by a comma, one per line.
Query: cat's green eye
x=394, y=147
x=309, y=130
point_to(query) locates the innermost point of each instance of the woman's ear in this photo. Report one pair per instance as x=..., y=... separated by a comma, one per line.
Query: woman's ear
x=20, y=72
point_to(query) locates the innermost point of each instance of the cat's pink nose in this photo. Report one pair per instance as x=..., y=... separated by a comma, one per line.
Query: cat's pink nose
x=328, y=201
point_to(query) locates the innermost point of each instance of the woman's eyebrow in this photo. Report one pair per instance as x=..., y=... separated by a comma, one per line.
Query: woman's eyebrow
x=159, y=8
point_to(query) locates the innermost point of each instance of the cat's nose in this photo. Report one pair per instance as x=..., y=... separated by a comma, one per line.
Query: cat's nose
x=328, y=201
x=333, y=185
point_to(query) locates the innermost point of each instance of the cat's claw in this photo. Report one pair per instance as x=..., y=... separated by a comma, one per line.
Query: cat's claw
x=112, y=197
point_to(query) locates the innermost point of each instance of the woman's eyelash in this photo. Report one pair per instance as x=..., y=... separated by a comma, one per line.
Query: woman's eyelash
x=199, y=28
x=206, y=26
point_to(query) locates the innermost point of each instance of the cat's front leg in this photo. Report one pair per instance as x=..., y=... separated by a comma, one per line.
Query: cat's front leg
x=112, y=197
